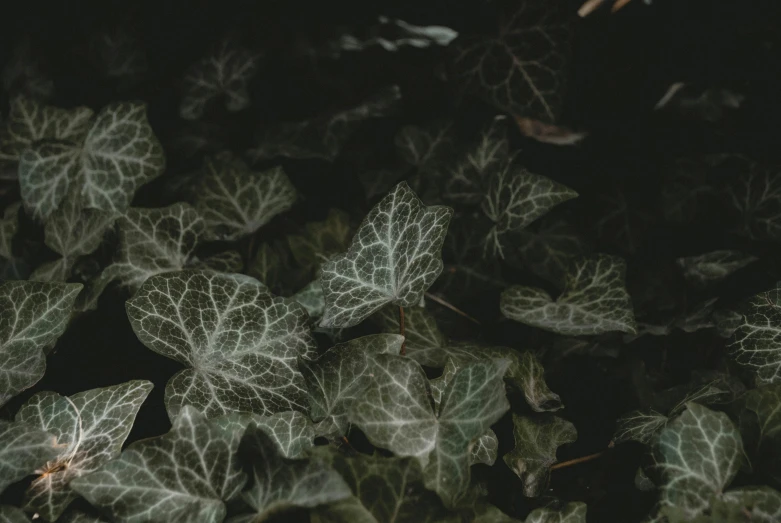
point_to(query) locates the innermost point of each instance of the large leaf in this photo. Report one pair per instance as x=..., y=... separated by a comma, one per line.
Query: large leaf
x=119, y=154
x=521, y=68
x=24, y=449
x=279, y=484
x=90, y=428
x=339, y=378
x=700, y=453
x=536, y=442
x=594, y=300
x=713, y=266
x=394, y=257
x=240, y=343
x=515, y=198
x=185, y=475
x=396, y=413
x=235, y=201
x=756, y=343
x=225, y=72
x=32, y=316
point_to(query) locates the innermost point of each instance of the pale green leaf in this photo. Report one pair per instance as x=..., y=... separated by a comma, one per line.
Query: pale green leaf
x=24, y=449
x=339, y=378
x=32, y=316
x=240, y=343
x=291, y=431
x=639, y=426
x=225, y=72
x=756, y=504
x=571, y=513
x=235, y=201
x=321, y=240
x=594, y=301
x=536, y=441
x=713, y=266
x=90, y=428
x=228, y=261
x=515, y=198
x=756, y=343
x=9, y=514
x=484, y=449
x=185, y=475
x=394, y=258
x=700, y=452
x=312, y=299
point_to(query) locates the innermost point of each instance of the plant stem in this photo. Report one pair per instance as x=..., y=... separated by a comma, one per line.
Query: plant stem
x=452, y=307
x=575, y=461
x=401, y=328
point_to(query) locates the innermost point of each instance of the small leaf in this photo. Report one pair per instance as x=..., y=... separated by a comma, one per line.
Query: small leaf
x=713, y=266
x=594, y=301
x=394, y=257
x=700, y=453
x=425, y=343
x=321, y=240
x=536, y=441
x=228, y=261
x=279, y=483
x=639, y=426
x=23, y=450
x=485, y=449
x=240, y=344
x=235, y=202
x=90, y=428
x=185, y=475
x=32, y=316
x=339, y=378
x=226, y=71
x=571, y=513
x=291, y=431
x=515, y=198
x=756, y=343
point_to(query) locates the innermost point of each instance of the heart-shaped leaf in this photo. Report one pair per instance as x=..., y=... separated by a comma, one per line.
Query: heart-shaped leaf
x=32, y=316
x=536, y=441
x=184, y=475
x=90, y=428
x=394, y=257
x=756, y=343
x=594, y=301
x=713, y=266
x=24, y=449
x=240, y=343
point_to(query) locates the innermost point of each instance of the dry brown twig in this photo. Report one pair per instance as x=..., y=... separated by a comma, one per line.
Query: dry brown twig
x=592, y=5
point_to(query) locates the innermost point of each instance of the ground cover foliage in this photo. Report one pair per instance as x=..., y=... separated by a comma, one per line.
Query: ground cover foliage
x=390, y=262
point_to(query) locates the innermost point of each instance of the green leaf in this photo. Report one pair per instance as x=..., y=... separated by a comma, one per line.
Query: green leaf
x=23, y=450
x=225, y=72
x=515, y=198
x=549, y=251
x=639, y=426
x=760, y=504
x=268, y=264
x=185, y=475
x=312, y=299
x=571, y=513
x=9, y=514
x=765, y=402
x=396, y=413
x=536, y=441
x=76, y=516
x=429, y=149
x=90, y=428
x=755, y=195
x=594, y=301
x=394, y=257
x=279, y=484
x=713, y=266
x=425, y=343
x=235, y=201
x=321, y=240
x=700, y=453
x=30, y=121
x=8, y=227
x=228, y=261
x=291, y=431
x=32, y=316
x=240, y=343
x=119, y=154
x=485, y=449
x=339, y=378
x=756, y=343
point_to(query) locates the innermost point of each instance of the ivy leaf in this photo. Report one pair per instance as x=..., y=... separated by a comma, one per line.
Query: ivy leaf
x=691, y=479
x=639, y=426
x=756, y=343
x=485, y=449
x=428, y=148
x=339, y=378
x=594, y=300
x=9, y=514
x=520, y=70
x=228, y=261
x=268, y=264
x=549, y=251
x=29, y=122
x=425, y=343
x=760, y=504
x=76, y=516
x=240, y=343
x=536, y=441
x=23, y=450
x=183, y=475
x=394, y=257
x=756, y=196
x=226, y=72
x=312, y=299
x=119, y=154
x=515, y=198
x=279, y=484
x=764, y=402
x=32, y=316
x=571, y=513
x=385, y=490
x=321, y=240
x=291, y=431
x=235, y=202
x=713, y=266
x=90, y=428
x=396, y=413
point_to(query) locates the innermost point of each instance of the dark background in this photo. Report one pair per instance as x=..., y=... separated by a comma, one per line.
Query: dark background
x=622, y=64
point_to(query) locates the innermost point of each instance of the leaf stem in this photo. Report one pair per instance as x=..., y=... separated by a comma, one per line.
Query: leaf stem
x=450, y=306
x=401, y=328
x=576, y=461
